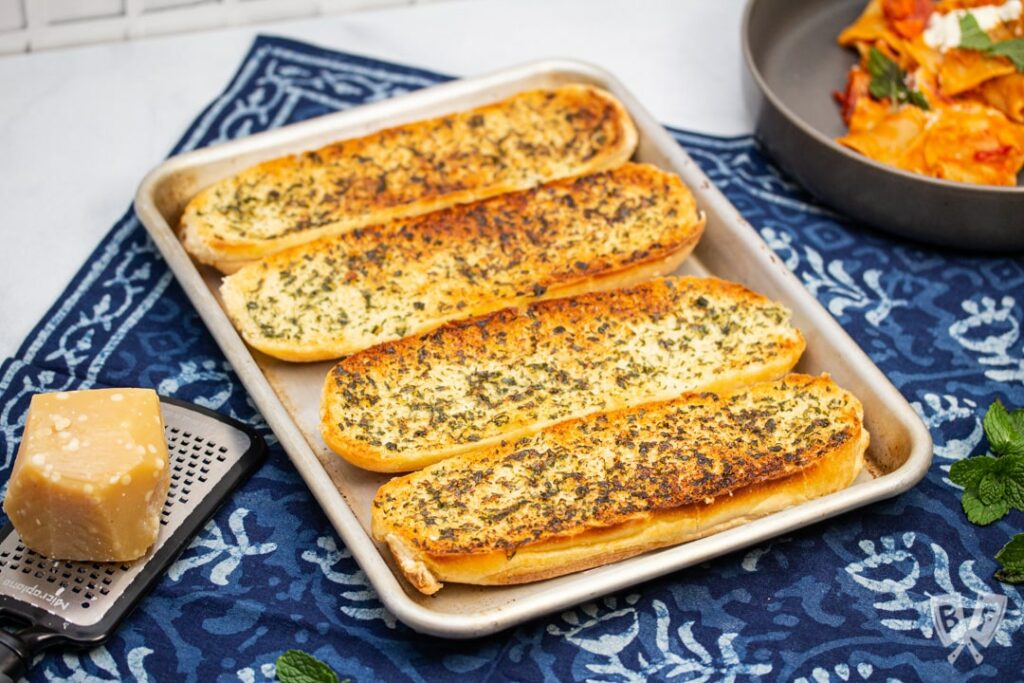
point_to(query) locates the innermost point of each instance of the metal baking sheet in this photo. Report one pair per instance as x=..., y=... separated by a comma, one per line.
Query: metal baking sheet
x=288, y=394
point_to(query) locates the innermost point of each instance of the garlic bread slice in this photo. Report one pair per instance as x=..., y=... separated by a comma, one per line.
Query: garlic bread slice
x=409, y=170
x=609, y=486
x=343, y=294
x=470, y=384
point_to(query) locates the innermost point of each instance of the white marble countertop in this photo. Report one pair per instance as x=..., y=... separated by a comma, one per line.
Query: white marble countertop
x=80, y=127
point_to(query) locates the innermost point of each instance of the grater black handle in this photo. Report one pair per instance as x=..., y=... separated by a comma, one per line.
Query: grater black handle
x=15, y=657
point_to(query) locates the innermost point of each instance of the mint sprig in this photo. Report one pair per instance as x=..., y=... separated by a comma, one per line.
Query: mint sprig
x=994, y=485
x=1012, y=559
x=888, y=80
x=973, y=37
x=1005, y=429
x=296, y=666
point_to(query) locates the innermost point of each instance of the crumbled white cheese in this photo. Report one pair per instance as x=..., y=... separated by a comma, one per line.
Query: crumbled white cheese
x=943, y=31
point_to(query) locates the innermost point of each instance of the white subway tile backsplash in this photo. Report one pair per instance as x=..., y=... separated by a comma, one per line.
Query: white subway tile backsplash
x=42, y=24
x=12, y=15
x=13, y=42
x=258, y=11
x=339, y=6
x=61, y=11
x=78, y=33
x=157, y=5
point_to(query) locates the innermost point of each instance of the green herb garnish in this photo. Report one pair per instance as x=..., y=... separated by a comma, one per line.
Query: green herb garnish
x=1012, y=49
x=1005, y=429
x=973, y=37
x=889, y=80
x=994, y=485
x=1012, y=559
x=986, y=483
x=296, y=666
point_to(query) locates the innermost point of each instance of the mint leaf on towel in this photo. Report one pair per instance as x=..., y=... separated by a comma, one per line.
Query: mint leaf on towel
x=1004, y=431
x=296, y=666
x=1012, y=559
x=994, y=484
x=969, y=471
x=980, y=512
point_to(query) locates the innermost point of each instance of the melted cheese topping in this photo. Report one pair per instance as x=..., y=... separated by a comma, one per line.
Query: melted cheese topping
x=611, y=468
x=517, y=143
x=421, y=399
x=943, y=31
x=343, y=294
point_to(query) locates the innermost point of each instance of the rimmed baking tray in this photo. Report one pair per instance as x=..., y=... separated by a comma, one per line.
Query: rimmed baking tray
x=288, y=394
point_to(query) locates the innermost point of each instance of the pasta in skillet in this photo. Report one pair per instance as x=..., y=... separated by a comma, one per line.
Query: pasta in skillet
x=939, y=88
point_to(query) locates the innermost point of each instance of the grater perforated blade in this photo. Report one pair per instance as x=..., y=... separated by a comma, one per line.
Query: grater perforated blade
x=46, y=603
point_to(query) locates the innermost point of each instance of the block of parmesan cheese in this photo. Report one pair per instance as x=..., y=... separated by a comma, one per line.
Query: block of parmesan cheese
x=91, y=475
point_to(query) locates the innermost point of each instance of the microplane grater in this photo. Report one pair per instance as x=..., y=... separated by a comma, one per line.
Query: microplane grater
x=46, y=603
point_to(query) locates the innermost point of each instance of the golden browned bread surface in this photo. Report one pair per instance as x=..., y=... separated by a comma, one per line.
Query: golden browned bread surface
x=515, y=144
x=342, y=294
x=608, y=486
x=469, y=384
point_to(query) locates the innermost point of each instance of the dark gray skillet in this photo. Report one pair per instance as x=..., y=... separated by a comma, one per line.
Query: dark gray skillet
x=791, y=52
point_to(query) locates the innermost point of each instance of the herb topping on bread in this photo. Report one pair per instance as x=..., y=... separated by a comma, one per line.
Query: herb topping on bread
x=604, y=487
x=342, y=294
x=406, y=404
x=409, y=170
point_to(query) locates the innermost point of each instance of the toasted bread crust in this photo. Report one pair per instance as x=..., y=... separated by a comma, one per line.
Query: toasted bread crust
x=604, y=487
x=413, y=169
x=470, y=384
x=343, y=294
